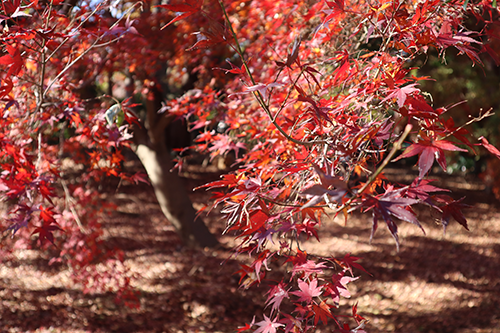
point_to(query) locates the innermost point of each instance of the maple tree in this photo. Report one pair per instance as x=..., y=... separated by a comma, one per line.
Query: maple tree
x=314, y=100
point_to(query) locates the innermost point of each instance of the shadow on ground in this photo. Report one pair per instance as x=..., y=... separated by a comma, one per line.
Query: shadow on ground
x=435, y=283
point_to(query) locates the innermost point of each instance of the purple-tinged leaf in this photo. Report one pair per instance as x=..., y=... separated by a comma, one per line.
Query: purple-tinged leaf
x=388, y=205
x=348, y=262
x=426, y=160
x=452, y=208
x=292, y=57
x=420, y=189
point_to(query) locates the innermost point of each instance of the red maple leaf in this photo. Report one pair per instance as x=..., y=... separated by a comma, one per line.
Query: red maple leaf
x=389, y=205
x=420, y=189
x=75, y=119
x=308, y=291
x=429, y=149
x=246, y=327
x=355, y=314
x=276, y=295
x=45, y=232
x=139, y=177
x=248, y=277
x=47, y=215
x=452, y=208
x=234, y=69
x=338, y=287
x=12, y=59
x=224, y=144
x=205, y=40
x=6, y=89
x=335, y=13
x=322, y=312
x=298, y=259
x=182, y=10
x=308, y=268
x=459, y=133
x=348, y=262
x=492, y=149
x=267, y=326
x=401, y=93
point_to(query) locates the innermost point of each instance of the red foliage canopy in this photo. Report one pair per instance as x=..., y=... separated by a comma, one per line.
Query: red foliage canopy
x=317, y=93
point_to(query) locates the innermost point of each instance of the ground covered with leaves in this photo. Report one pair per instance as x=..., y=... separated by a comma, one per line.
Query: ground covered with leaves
x=435, y=283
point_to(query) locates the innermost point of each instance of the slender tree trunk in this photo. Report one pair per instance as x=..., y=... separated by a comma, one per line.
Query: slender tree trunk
x=169, y=188
x=172, y=196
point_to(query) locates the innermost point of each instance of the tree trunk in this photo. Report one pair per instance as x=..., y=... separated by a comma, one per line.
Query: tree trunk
x=171, y=192
x=173, y=197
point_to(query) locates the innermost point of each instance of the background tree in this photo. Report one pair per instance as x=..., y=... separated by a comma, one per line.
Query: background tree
x=144, y=68
x=318, y=95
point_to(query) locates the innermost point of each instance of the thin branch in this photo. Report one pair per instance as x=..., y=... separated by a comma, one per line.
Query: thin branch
x=91, y=47
x=373, y=177
x=257, y=94
x=98, y=7
x=473, y=120
x=39, y=94
x=70, y=203
x=68, y=66
x=109, y=42
x=288, y=95
x=289, y=205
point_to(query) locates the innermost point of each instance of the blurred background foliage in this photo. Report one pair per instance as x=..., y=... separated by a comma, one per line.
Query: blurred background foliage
x=466, y=91
x=455, y=80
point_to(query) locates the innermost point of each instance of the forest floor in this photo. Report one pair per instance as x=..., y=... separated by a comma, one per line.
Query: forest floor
x=435, y=283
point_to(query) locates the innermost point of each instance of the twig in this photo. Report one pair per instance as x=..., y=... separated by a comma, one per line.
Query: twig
x=289, y=205
x=374, y=176
x=69, y=203
x=39, y=94
x=257, y=94
x=91, y=47
x=473, y=120
x=288, y=95
x=98, y=7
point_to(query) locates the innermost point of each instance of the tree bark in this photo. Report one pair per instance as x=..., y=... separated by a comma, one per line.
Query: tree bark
x=171, y=193
x=173, y=197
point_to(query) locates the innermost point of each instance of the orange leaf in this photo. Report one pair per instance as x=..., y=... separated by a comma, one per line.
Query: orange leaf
x=322, y=312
